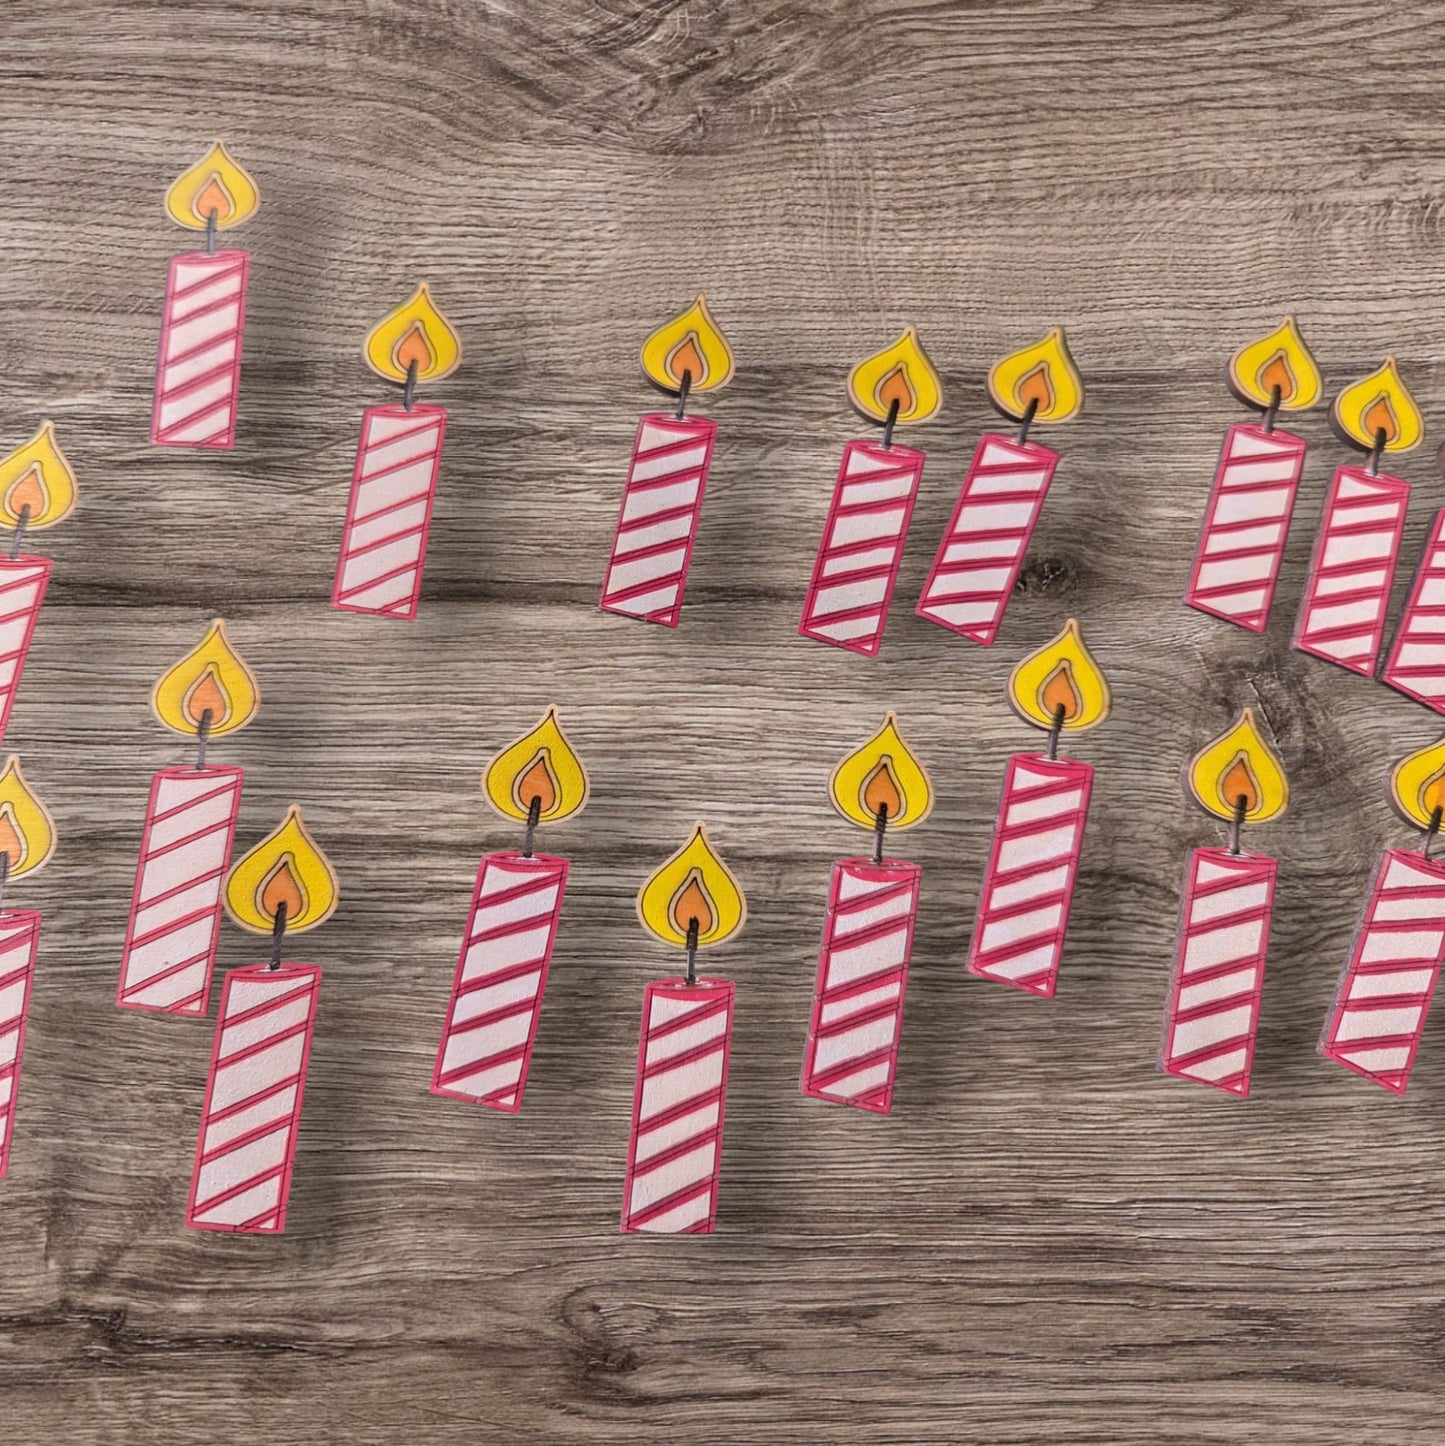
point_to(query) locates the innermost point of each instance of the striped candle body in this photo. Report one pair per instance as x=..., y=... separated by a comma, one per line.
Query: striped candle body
x=247, y=1144
x=852, y=1051
x=1213, y=1009
x=19, y=936
x=980, y=556
x=1023, y=908
x=675, y=1149
x=1416, y=664
x=199, y=371
x=656, y=525
x=383, y=546
x=22, y=590
x=1342, y=619
x=175, y=911
x=862, y=545
x=1236, y=563
x=486, y=1046
x=1378, y=1014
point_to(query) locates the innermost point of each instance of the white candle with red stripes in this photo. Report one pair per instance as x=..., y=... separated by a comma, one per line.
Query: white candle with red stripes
x=393, y=484
x=27, y=840
x=867, y=524
x=246, y=1144
x=1033, y=861
x=198, y=373
x=987, y=539
x=1416, y=662
x=851, y=1055
x=674, y=1151
x=1246, y=521
x=190, y=822
x=662, y=501
x=1352, y=569
x=491, y=1021
x=1380, y=1006
x=1212, y=1012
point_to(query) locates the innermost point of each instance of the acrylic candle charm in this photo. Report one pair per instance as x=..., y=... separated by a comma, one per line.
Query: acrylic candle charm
x=486, y=1044
x=27, y=840
x=674, y=1151
x=1219, y=957
x=185, y=850
x=1342, y=619
x=1246, y=521
x=247, y=1143
x=851, y=1056
x=388, y=515
x=983, y=549
x=1033, y=861
x=198, y=374
x=863, y=537
x=661, y=503
x=37, y=489
x=1415, y=664
x=1378, y=1014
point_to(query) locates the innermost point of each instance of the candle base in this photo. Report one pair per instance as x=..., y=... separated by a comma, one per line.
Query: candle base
x=19, y=941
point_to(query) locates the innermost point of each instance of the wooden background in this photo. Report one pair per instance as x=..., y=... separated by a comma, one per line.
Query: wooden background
x=1047, y=1241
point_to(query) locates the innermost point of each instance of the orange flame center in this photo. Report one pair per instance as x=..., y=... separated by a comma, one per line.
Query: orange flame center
x=1239, y=782
x=536, y=781
x=411, y=347
x=1432, y=796
x=687, y=356
x=206, y=697
x=881, y=790
x=11, y=844
x=212, y=197
x=1060, y=691
x=895, y=387
x=281, y=887
x=28, y=490
x=691, y=902
x=1036, y=386
x=1380, y=417
x=1276, y=373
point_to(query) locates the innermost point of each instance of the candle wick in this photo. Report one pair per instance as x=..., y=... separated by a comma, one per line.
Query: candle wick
x=1055, y=729
x=278, y=935
x=1241, y=807
x=1272, y=410
x=408, y=387
x=1433, y=829
x=1027, y=421
x=889, y=425
x=1376, y=452
x=692, y=931
x=880, y=826
x=534, y=812
x=682, y=392
x=203, y=733
x=211, y=217
x=21, y=523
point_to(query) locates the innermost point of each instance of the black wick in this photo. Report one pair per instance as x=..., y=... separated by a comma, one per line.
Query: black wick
x=1372, y=466
x=880, y=825
x=408, y=387
x=4, y=872
x=690, y=977
x=534, y=812
x=20, y=525
x=1272, y=410
x=211, y=219
x=1241, y=807
x=889, y=425
x=1430, y=833
x=203, y=731
x=682, y=392
x=1027, y=420
x=278, y=935
x=1056, y=728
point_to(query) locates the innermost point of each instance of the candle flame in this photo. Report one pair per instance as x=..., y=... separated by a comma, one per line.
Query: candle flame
x=693, y=343
x=902, y=373
x=215, y=183
x=37, y=475
x=1281, y=360
x=1417, y=783
x=212, y=675
x=27, y=832
x=1239, y=764
x=883, y=770
x=1044, y=373
x=286, y=867
x=1061, y=673
x=541, y=764
x=693, y=884
x=415, y=332
x=1379, y=403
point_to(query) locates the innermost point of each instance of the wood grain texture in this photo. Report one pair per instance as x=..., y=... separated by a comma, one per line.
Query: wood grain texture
x=1046, y=1242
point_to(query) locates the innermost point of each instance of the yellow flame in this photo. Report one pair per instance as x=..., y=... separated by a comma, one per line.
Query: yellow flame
x=882, y=770
x=541, y=764
x=414, y=331
x=1237, y=763
x=694, y=882
x=1280, y=359
x=286, y=865
x=902, y=372
x=1045, y=373
x=1418, y=783
x=691, y=342
x=212, y=675
x=37, y=475
x=216, y=183
x=1380, y=400
x=1062, y=671
x=27, y=832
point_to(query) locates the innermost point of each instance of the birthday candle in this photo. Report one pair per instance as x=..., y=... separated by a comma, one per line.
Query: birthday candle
x=246, y=1145
x=1246, y=522
x=491, y=1024
x=983, y=550
x=674, y=1151
x=862, y=544
x=1416, y=663
x=1378, y=1014
x=37, y=489
x=198, y=374
x=175, y=913
x=388, y=515
x=1213, y=1008
x=1033, y=861
x=1352, y=569
x=661, y=503
x=851, y=1056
